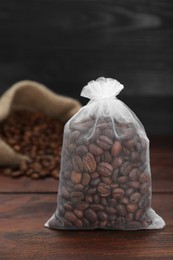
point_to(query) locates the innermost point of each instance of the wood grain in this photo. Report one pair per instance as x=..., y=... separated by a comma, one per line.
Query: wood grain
x=23, y=216
x=65, y=44
x=71, y=42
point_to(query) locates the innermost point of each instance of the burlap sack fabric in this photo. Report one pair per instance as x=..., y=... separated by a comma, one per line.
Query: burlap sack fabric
x=33, y=96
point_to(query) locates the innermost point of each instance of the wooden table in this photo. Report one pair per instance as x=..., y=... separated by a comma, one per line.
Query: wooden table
x=25, y=205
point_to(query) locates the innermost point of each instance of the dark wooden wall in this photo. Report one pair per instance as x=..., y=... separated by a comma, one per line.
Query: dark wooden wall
x=64, y=44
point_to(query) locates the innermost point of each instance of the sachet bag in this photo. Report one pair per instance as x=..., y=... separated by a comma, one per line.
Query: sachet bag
x=105, y=176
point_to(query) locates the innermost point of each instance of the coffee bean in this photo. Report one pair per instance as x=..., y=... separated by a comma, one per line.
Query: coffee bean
x=78, y=213
x=106, y=157
x=104, y=142
x=116, y=148
x=118, y=193
x=85, y=179
x=102, y=216
x=105, y=169
x=122, y=179
x=134, y=184
x=78, y=187
x=131, y=208
x=89, y=163
x=134, y=198
x=64, y=192
x=106, y=180
x=68, y=207
x=81, y=150
x=104, y=189
x=82, y=206
x=133, y=175
x=90, y=215
x=117, y=162
x=144, y=177
x=76, y=196
x=77, y=163
x=76, y=177
x=121, y=210
x=95, y=149
x=96, y=207
x=78, y=223
x=111, y=210
x=69, y=216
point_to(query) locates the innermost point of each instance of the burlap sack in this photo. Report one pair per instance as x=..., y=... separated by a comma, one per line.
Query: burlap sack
x=33, y=96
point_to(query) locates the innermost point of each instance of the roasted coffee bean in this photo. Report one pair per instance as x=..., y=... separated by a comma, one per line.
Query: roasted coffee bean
x=78, y=213
x=76, y=177
x=115, y=175
x=116, y=148
x=89, y=163
x=104, y=142
x=117, y=162
x=102, y=216
x=111, y=210
x=139, y=215
x=118, y=193
x=120, y=222
x=133, y=175
x=104, y=190
x=69, y=216
x=109, y=133
x=122, y=179
x=95, y=149
x=94, y=175
x=129, y=191
x=106, y=157
x=85, y=179
x=144, y=188
x=90, y=215
x=133, y=184
x=129, y=217
x=106, y=180
x=81, y=150
x=95, y=182
x=77, y=163
x=82, y=206
x=121, y=210
x=131, y=208
x=89, y=199
x=96, y=198
x=78, y=187
x=78, y=223
x=64, y=192
x=144, y=177
x=76, y=196
x=105, y=169
x=68, y=207
x=134, y=198
x=124, y=201
x=130, y=144
x=96, y=207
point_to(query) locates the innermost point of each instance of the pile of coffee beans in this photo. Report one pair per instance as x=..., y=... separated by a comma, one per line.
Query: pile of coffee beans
x=37, y=136
x=105, y=179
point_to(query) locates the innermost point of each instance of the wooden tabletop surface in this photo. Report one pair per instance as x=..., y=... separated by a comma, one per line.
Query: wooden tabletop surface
x=25, y=205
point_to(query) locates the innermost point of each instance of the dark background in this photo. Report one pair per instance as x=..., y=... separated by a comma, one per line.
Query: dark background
x=65, y=44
